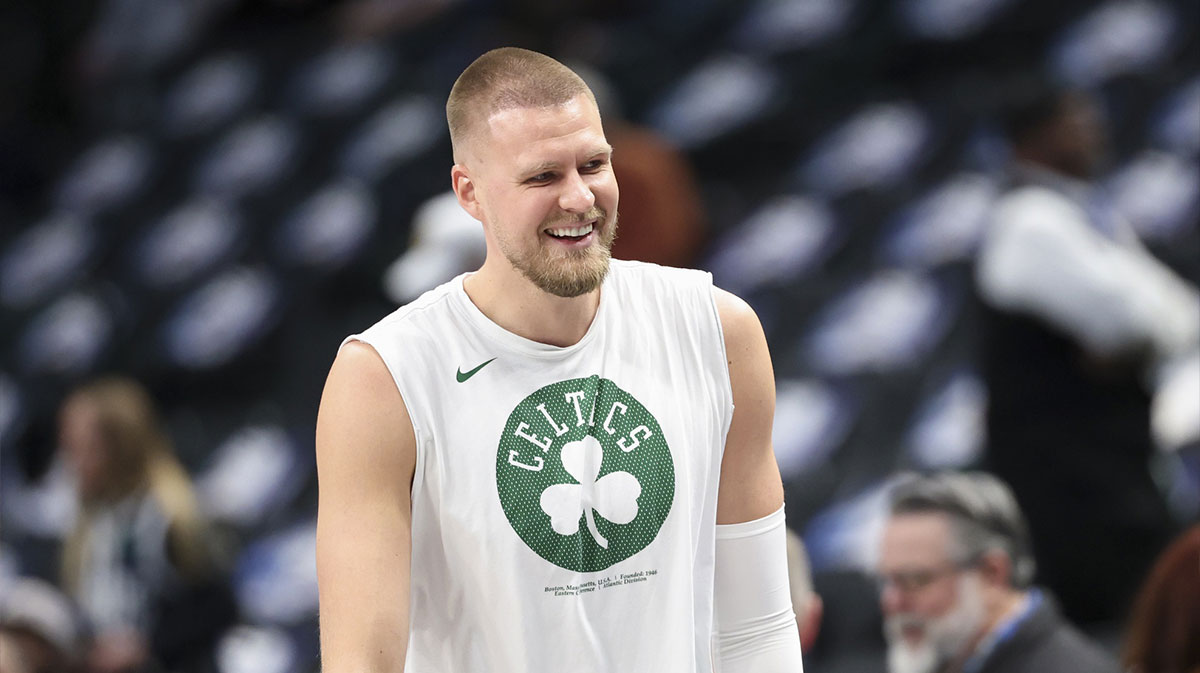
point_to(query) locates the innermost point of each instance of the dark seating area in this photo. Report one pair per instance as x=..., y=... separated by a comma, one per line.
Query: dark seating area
x=205, y=196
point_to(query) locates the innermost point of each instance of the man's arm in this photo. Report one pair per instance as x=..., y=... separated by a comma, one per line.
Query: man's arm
x=366, y=455
x=750, y=484
x=1041, y=256
x=755, y=626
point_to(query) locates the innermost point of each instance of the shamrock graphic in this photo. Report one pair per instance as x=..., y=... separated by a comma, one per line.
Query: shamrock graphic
x=614, y=495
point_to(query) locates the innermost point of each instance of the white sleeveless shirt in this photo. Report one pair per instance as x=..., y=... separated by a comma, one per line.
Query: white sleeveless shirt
x=564, y=500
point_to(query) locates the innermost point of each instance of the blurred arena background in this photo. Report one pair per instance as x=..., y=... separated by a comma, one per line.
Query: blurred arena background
x=208, y=195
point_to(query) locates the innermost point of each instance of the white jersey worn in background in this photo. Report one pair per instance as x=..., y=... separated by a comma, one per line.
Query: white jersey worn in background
x=564, y=501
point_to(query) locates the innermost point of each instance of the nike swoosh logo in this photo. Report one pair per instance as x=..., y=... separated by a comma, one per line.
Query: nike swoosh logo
x=463, y=376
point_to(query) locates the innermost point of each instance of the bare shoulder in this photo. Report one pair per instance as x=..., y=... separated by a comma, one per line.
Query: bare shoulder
x=360, y=363
x=750, y=369
x=362, y=412
x=738, y=321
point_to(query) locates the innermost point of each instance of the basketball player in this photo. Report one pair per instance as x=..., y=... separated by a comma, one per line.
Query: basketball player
x=557, y=462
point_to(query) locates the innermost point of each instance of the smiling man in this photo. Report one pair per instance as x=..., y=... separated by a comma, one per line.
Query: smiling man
x=955, y=570
x=559, y=462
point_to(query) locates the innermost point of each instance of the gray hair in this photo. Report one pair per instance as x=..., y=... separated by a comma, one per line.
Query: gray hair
x=983, y=511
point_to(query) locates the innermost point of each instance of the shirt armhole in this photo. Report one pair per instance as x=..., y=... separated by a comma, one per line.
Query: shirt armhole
x=398, y=379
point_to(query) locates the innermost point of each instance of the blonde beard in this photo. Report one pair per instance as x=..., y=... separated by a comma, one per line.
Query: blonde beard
x=945, y=637
x=568, y=275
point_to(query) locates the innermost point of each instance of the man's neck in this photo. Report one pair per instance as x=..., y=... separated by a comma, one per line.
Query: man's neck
x=1007, y=608
x=513, y=302
x=1041, y=174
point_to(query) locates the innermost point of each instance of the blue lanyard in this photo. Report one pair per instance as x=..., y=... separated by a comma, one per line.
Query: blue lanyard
x=1002, y=632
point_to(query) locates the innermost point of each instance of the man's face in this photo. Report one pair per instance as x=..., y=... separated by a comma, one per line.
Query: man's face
x=933, y=607
x=542, y=183
x=1077, y=135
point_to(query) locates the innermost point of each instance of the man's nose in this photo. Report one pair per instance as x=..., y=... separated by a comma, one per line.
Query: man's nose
x=890, y=599
x=576, y=196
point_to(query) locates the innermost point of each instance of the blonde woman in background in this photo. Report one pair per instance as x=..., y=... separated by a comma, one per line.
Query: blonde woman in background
x=138, y=560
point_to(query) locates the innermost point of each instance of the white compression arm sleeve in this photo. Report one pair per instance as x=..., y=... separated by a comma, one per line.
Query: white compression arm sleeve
x=755, y=626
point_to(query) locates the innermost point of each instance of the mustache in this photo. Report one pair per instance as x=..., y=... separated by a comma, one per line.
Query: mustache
x=596, y=213
x=893, y=626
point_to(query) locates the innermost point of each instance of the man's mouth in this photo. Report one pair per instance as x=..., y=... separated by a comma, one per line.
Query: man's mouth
x=912, y=633
x=910, y=630
x=572, y=232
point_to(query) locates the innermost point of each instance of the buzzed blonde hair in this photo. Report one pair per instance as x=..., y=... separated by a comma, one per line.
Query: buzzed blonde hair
x=504, y=79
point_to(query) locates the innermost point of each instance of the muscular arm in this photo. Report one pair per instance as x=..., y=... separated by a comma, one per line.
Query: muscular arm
x=366, y=453
x=750, y=484
x=755, y=626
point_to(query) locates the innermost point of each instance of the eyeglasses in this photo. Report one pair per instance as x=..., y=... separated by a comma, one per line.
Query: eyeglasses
x=913, y=581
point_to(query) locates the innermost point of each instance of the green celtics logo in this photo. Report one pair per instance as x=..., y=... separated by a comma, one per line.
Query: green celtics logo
x=584, y=474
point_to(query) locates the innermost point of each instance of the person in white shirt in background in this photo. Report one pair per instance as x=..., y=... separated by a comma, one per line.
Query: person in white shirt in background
x=1081, y=326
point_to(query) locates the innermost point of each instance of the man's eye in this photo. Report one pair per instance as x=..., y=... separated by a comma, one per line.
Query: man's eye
x=541, y=177
x=593, y=165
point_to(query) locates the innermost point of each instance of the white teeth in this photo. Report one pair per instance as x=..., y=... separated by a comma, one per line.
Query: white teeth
x=573, y=231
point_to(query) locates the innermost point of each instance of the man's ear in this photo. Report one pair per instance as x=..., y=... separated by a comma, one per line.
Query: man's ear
x=996, y=568
x=464, y=189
